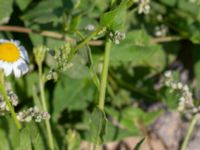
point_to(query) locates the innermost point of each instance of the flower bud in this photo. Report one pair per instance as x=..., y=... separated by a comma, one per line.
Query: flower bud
x=39, y=53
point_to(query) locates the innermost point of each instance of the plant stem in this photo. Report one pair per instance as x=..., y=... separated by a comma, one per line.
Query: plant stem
x=86, y=41
x=13, y=114
x=189, y=132
x=44, y=105
x=104, y=74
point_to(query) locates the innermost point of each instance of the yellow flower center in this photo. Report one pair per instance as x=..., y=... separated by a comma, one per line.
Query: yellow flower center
x=9, y=52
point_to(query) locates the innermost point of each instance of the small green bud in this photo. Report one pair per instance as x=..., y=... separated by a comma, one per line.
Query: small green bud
x=39, y=53
x=62, y=56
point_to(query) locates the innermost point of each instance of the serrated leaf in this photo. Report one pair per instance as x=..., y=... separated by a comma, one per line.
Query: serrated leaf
x=126, y=121
x=97, y=126
x=73, y=94
x=114, y=133
x=129, y=118
x=114, y=19
x=137, y=50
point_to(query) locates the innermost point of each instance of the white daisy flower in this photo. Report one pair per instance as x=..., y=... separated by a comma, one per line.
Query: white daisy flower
x=13, y=58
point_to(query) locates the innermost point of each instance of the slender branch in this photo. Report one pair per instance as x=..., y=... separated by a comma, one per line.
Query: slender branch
x=59, y=36
x=87, y=40
x=165, y=39
x=44, y=105
x=50, y=34
x=189, y=132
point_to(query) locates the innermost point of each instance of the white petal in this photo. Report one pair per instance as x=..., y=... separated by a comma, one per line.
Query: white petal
x=17, y=71
x=16, y=42
x=23, y=53
x=7, y=69
x=3, y=40
x=23, y=66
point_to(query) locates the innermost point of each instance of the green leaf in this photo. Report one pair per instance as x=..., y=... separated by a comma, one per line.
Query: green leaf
x=170, y=98
x=114, y=19
x=73, y=94
x=25, y=140
x=38, y=135
x=114, y=133
x=129, y=118
x=4, y=131
x=23, y=4
x=137, y=49
x=139, y=144
x=46, y=11
x=128, y=122
x=6, y=8
x=97, y=126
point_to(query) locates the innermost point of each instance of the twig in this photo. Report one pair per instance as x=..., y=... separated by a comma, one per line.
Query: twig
x=165, y=39
x=60, y=36
x=50, y=34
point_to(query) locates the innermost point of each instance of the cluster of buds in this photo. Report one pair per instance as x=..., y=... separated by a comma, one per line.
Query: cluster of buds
x=144, y=7
x=90, y=27
x=13, y=99
x=52, y=75
x=185, y=100
x=161, y=30
x=33, y=113
x=24, y=116
x=117, y=36
x=62, y=56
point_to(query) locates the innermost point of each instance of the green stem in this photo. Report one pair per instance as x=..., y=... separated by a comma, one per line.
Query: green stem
x=4, y=93
x=44, y=105
x=189, y=132
x=91, y=64
x=104, y=74
x=84, y=42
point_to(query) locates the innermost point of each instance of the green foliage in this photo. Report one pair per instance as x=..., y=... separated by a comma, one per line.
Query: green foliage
x=23, y=4
x=114, y=19
x=72, y=93
x=137, y=50
x=5, y=11
x=44, y=12
x=131, y=118
x=135, y=70
x=97, y=126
